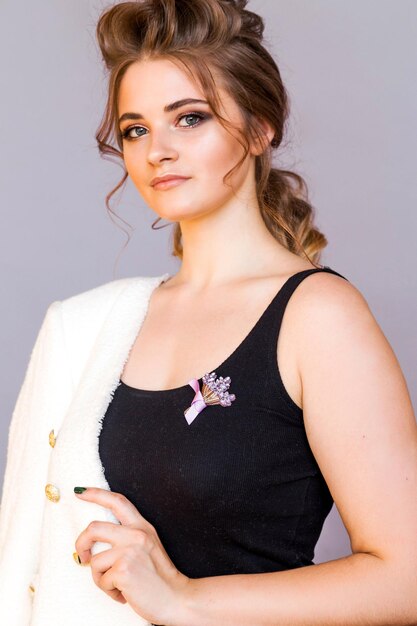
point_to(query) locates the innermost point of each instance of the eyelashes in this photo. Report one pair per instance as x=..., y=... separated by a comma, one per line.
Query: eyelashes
x=200, y=116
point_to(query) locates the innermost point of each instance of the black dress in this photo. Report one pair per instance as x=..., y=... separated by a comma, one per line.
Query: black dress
x=236, y=491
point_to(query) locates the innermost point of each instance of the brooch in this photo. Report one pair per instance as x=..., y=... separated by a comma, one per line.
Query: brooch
x=214, y=391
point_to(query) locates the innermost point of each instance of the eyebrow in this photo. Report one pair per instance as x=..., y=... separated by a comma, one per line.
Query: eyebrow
x=167, y=109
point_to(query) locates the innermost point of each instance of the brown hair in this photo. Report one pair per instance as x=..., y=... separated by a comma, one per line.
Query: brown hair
x=221, y=36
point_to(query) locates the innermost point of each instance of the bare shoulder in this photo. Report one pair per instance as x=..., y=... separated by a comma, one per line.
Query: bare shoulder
x=358, y=415
x=334, y=327
x=342, y=353
x=323, y=298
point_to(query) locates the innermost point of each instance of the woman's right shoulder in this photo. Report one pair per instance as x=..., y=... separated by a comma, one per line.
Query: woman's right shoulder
x=81, y=315
x=99, y=295
x=96, y=302
x=76, y=321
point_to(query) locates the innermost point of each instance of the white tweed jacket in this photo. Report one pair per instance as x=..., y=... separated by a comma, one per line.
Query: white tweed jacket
x=74, y=368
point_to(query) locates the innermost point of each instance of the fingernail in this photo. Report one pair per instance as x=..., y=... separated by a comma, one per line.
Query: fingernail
x=77, y=559
x=79, y=489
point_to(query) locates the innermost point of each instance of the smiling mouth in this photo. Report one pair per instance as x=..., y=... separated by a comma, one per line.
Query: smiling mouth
x=167, y=184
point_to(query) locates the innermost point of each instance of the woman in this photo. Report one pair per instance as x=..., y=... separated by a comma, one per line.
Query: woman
x=207, y=454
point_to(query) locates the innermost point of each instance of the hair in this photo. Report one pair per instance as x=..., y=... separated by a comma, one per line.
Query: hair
x=206, y=37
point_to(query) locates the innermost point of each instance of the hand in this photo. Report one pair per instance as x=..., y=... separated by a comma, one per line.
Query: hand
x=137, y=568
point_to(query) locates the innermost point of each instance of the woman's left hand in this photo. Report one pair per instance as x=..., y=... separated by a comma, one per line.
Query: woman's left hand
x=137, y=568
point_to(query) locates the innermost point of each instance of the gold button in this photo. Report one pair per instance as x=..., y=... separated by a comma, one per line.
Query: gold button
x=31, y=588
x=52, y=439
x=52, y=492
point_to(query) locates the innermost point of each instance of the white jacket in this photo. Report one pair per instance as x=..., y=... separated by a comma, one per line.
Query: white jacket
x=73, y=371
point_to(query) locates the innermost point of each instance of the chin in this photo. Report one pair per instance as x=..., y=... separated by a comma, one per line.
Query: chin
x=177, y=216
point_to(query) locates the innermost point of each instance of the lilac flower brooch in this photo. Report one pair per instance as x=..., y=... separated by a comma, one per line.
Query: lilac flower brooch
x=214, y=391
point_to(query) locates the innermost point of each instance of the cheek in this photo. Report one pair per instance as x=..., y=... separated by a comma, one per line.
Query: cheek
x=134, y=165
x=217, y=157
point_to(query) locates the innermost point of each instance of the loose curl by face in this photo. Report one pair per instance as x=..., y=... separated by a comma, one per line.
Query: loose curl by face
x=208, y=38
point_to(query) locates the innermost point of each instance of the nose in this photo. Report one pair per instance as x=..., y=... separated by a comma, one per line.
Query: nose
x=161, y=148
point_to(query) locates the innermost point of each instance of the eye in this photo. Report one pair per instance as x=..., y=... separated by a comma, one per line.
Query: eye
x=199, y=116
x=126, y=134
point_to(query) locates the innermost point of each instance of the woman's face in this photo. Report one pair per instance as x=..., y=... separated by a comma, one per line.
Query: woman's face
x=186, y=140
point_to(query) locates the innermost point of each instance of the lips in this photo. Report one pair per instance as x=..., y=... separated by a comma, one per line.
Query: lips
x=168, y=177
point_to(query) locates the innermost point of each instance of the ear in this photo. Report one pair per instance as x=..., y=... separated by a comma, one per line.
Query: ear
x=266, y=135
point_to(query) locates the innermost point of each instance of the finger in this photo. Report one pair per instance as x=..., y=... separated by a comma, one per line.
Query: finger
x=108, y=585
x=122, y=508
x=100, y=564
x=100, y=531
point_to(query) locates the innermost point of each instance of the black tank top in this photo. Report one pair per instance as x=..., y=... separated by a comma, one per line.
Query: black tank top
x=236, y=491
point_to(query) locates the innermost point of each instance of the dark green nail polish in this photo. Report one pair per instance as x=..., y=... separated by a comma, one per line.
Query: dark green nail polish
x=79, y=489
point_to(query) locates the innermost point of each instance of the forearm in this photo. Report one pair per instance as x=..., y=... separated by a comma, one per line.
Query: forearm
x=355, y=590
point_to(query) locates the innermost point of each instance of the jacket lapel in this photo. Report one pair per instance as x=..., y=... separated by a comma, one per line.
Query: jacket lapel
x=76, y=458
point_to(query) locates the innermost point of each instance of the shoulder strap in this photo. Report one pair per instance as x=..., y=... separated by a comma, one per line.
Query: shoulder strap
x=288, y=289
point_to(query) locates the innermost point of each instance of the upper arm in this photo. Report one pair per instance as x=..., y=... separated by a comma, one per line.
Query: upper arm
x=358, y=417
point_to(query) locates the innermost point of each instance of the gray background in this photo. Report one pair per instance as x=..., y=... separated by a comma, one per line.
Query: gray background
x=350, y=70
